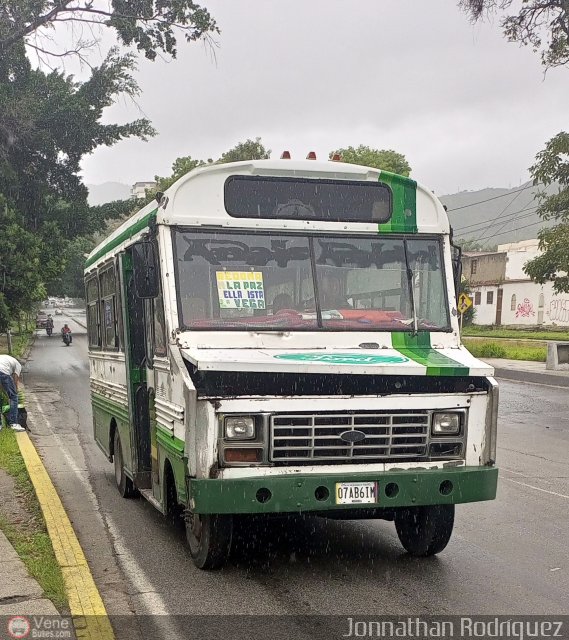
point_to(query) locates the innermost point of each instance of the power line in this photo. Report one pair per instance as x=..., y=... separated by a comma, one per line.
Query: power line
x=472, y=204
x=519, y=228
x=490, y=220
x=473, y=231
x=481, y=236
x=531, y=224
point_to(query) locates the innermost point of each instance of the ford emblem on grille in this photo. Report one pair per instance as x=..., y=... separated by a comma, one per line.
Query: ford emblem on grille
x=352, y=436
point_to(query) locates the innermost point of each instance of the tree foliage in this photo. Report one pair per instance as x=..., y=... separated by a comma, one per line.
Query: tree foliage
x=180, y=167
x=49, y=121
x=552, y=166
x=248, y=150
x=4, y=315
x=152, y=26
x=385, y=159
x=541, y=24
x=21, y=277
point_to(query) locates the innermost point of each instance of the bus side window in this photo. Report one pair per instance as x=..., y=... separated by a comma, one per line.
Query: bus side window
x=159, y=329
x=108, y=313
x=92, y=293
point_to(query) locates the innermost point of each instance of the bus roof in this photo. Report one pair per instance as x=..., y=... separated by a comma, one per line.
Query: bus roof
x=197, y=199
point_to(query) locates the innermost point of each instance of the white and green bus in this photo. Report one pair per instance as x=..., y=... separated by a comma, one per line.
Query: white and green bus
x=281, y=337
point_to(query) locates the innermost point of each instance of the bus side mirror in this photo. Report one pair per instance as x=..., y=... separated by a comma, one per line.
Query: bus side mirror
x=457, y=268
x=146, y=283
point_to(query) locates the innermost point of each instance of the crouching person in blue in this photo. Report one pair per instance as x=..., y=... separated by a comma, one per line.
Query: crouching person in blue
x=10, y=371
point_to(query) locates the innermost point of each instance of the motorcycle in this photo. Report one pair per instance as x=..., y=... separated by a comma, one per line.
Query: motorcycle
x=49, y=330
x=66, y=338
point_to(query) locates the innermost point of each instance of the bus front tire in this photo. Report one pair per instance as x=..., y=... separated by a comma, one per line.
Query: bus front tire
x=124, y=483
x=425, y=531
x=209, y=539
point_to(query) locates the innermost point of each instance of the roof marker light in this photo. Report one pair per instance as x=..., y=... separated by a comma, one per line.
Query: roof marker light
x=336, y=158
x=285, y=155
x=311, y=155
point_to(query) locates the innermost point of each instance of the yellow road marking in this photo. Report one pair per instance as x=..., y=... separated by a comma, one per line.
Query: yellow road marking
x=87, y=609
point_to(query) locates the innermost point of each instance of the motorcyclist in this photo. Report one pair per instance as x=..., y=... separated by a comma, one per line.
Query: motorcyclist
x=67, y=330
x=49, y=322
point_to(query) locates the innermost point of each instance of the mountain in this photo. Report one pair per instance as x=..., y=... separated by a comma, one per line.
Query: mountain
x=496, y=216
x=107, y=192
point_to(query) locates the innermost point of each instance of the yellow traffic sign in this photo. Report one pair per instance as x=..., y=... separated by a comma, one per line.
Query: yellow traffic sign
x=464, y=303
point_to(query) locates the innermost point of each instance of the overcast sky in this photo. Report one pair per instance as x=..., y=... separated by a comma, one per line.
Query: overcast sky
x=468, y=109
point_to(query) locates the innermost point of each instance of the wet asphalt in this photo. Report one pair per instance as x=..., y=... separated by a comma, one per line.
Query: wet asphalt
x=506, y=557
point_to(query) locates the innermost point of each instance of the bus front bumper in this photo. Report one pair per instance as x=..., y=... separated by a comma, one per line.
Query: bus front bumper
x=310, y=493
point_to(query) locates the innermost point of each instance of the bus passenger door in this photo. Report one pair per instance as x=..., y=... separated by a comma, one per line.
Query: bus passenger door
x=135, y=351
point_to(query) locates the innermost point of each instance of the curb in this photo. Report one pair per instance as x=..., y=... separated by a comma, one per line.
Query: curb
x=74, y=320
x=529, y=376
x=88, y=612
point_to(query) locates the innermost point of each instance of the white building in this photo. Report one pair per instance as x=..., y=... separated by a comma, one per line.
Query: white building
x=505, y=295
x=138, y=189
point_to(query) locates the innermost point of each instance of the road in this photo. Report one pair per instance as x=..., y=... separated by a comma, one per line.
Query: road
x=506, y=557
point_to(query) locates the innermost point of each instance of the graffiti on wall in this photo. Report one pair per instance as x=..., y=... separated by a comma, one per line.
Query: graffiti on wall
x=525, y=309
x=559, y=310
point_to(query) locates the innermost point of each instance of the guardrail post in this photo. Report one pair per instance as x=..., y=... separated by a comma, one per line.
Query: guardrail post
x=557, y=356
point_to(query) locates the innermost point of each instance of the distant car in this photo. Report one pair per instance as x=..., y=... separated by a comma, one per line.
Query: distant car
x=58, y=312
x=41, y=320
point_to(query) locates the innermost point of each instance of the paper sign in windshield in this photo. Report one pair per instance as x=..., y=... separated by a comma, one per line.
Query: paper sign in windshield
x=240, y=289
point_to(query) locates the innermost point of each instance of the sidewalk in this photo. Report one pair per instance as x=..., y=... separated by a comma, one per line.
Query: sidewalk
x=19, y=592
x=525, y=371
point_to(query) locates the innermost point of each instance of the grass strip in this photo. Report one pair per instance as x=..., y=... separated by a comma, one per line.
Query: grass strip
x=30, y=538
x=505, y=349
x=20, y=343
x=522, y=334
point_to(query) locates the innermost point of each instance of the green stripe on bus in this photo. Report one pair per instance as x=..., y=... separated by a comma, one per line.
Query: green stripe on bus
x=111, y=407
x=419, y=349
x=404, y=202
x=166, y=439
x=127, y=234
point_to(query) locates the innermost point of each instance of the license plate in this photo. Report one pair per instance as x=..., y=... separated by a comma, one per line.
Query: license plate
x=356, y=492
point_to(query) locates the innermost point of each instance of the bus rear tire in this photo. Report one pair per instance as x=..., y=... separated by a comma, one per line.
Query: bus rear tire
x=425, y=531
x=209, y=539
x=124, y=483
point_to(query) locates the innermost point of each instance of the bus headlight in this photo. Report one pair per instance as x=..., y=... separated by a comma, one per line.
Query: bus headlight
x=239, y=428
x=446, y=424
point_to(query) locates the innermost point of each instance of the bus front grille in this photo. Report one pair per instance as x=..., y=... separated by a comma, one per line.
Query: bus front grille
x=306, y=437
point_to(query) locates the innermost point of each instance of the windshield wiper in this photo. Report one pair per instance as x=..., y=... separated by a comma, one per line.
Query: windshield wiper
x=411, y=292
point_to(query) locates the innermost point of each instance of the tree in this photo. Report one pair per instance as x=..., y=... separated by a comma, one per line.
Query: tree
x=248, y=150
x=544, y=25
x=180, y=167
x=4, y=315
x=552, y=166
x=49, y=122
x=150, y=25
x=385, y=159
x=70, y=282
x=541, y=24
x=21, y=276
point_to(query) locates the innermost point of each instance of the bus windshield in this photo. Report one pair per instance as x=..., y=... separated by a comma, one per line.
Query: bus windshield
x=282, y=282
